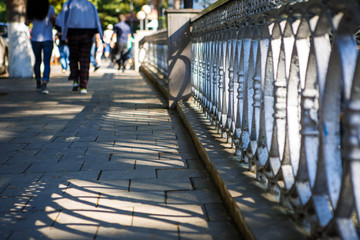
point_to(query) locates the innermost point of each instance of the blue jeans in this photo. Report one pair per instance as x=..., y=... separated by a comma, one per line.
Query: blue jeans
x=92, y=55
x=64, y=56
x=46, y=48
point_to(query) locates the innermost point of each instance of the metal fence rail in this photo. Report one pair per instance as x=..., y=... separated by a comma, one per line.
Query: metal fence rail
x=281, y=80
x=156, y=51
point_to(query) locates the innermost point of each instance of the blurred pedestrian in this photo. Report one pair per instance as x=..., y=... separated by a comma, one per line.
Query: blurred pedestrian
x=62, y=45
x=121, y=31
x=81, y=22
x=107, y=39
x=42, y=16
x=96, y=51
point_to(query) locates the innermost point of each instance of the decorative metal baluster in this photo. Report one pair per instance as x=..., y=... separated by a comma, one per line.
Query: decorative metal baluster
x=215, y=78
x=208, y=72
x=230, y=122
x=239, y=58
x=201, y=69
x=194, y=60
x=204, y=68
x=226, y=56
x=193, y=64
x=248, y=88
x=339, y=79
x=266, y=82
x=204, y=101
x=273, y=163
x=198, y=63
x=350, y=194
x=221, y=87
x=255, y=74
x=291, y=149
x=236, y=60
x=321, y=52
x=198, y=68
x=302, y=189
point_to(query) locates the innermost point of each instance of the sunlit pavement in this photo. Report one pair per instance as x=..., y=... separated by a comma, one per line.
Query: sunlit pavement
x=111, y=164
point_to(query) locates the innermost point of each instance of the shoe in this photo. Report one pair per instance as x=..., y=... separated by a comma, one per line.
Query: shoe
x=83, y=91
x=96, y=68
x=44, y=89
x=75, y=86
x=38, y=85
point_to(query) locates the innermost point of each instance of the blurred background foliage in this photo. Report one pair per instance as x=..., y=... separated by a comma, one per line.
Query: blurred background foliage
x=108, y=9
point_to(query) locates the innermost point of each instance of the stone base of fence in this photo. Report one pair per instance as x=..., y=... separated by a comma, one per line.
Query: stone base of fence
x=156, y=78
x=256, y=212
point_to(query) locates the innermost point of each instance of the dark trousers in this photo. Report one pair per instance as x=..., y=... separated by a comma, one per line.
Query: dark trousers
x=80, y=46
x=121, y=52
x=46, y=49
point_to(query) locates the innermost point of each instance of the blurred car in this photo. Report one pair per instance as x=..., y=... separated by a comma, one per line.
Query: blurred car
x=4, y=49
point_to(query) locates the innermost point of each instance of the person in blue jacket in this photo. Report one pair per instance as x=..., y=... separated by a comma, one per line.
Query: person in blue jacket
x=80, y=23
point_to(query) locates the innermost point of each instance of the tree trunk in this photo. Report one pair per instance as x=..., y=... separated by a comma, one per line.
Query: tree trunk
x=21, y=56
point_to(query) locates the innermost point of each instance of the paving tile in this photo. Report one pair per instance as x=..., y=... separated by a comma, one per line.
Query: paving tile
x=62, y=166
x=93, y=165
x=216, y=230
x=114, y=199
x=137, y=233
x=59, y=202
x=13, y=204
x=15, y=168
x=112, y=164
x=216, y=212
x=97, y=216
x=159, y=164
x=29, y=224
x=133, y=174
x=182, y=213
x=181, y=173
x=203, y=183
x=194, y=196
x=60, y=232
x=160, y=185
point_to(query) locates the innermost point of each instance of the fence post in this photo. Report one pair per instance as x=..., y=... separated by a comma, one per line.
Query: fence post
x=179, y=54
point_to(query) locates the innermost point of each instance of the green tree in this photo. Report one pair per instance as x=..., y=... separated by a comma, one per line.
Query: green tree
x=3, y=17
x=108, y=9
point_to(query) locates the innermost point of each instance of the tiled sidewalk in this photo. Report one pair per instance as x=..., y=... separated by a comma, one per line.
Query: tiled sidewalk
x=112, y=164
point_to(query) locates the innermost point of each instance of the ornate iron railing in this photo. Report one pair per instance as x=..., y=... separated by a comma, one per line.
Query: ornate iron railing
x=156, y=49
x=281, y=80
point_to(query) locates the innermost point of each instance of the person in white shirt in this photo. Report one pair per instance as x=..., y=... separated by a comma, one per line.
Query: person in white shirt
x=107, y=39
x=42, y=16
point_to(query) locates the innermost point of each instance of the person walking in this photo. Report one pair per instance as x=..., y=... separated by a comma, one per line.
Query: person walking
x=80, y=23
x=42, y=16
x=62, y=45
x=107, y=39
x=96, y=52
x=121, y=31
